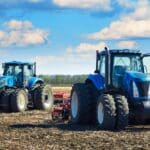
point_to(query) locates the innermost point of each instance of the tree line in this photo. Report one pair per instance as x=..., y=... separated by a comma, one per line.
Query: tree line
x=63, y=80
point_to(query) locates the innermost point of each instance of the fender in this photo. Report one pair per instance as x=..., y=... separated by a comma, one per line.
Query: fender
x=33, y=81
x=97, y=80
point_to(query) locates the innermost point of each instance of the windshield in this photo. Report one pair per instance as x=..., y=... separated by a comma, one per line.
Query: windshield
x=8, y=70
x=124, y=63
x=11, y=70
x=28, y=71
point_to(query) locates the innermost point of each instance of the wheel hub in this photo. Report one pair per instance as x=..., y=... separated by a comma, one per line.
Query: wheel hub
x=21, y=101
x=74, y=104
x=47, y=99
x=100, y=113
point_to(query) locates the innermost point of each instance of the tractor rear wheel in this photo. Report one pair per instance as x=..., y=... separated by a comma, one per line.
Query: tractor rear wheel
x=93, y=94
x=43, y=97
x=19, y=101
x=106, y=112
x=80, y=104
x=122, y=112
x=4, y=102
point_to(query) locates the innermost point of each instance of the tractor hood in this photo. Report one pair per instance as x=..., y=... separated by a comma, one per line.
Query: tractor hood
x=138, y=76
x=6, y=81
x=137, y=85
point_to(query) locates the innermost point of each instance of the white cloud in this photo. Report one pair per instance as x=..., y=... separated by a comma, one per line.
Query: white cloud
x=85, y=4
x=127, y=44
x=126, y=3
x=74, y=64
x=77, y=60
x=15, y=24
x=133, y=25
x=141, y=11
x=21, y=34
x=87, y=48
x=124, y=29
x=2, y=34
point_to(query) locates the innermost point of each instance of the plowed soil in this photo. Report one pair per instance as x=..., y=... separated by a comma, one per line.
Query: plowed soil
x=34, y=130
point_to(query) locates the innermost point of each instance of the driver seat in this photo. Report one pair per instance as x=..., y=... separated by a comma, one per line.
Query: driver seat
x=118, y=73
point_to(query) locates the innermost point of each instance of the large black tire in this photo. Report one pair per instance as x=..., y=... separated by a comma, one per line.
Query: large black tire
x=43, y=98
x=106, y=112
x=122, y=112
x=5, y=102
x=93, y=94
x=19, y=100
x=80, y=104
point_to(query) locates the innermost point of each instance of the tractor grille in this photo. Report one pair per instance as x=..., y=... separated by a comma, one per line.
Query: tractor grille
x=144, y=88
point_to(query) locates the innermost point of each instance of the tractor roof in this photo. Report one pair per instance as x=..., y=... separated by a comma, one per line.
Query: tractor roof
x=123, y=51
x=18, y=63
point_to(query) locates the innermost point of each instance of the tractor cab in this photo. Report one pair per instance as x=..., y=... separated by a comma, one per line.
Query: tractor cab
x=21, y=89
x=115, y=66
x=19, y=72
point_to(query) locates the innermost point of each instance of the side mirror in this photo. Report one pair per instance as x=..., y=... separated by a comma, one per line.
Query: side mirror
x=34, y=71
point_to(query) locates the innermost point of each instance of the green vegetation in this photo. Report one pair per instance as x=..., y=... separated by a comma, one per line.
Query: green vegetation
x=63, y=80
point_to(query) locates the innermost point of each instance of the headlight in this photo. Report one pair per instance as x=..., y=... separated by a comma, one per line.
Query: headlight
x=135, y=90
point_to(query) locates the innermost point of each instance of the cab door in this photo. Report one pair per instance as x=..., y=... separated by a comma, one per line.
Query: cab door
x=146, y=63
x=28, y=73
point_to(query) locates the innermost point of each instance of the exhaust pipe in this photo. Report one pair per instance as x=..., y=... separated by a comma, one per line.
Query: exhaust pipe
x=35, y=69
x=107, y=68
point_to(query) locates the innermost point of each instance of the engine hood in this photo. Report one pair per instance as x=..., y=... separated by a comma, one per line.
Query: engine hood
x=6, y=81
x=138, y=76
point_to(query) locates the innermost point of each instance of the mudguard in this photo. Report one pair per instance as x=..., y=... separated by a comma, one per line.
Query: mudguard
x=33, y=81
x=97, y=80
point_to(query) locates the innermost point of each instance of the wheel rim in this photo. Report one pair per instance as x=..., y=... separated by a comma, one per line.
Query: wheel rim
x=100, y=113
x=47, y=99
x=74, y=105
x=21, y=101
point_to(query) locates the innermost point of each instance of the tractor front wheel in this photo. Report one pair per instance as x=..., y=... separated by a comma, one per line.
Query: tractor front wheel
x=19, y=101
x=122, y=112
x=43, y=98
x=106, y=112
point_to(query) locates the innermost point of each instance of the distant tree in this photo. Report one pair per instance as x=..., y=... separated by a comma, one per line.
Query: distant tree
x=63, y=80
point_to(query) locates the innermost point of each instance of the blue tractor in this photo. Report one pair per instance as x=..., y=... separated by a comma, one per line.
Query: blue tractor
x=117, y=94
x=20, y=88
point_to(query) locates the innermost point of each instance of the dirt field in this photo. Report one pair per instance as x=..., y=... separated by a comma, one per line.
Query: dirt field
x=34, y=130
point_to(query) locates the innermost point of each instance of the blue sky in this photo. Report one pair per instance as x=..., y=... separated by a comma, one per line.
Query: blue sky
x=63, y=35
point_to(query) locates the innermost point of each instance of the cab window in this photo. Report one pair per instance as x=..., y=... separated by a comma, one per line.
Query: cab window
x=102, y=66
x=146, y=63
x=28, y=71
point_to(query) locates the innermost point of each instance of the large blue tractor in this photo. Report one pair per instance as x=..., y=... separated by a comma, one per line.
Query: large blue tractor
x=21, y=89
x=117, y=94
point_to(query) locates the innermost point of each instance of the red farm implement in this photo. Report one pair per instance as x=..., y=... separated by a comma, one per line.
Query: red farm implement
x=61, y=109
